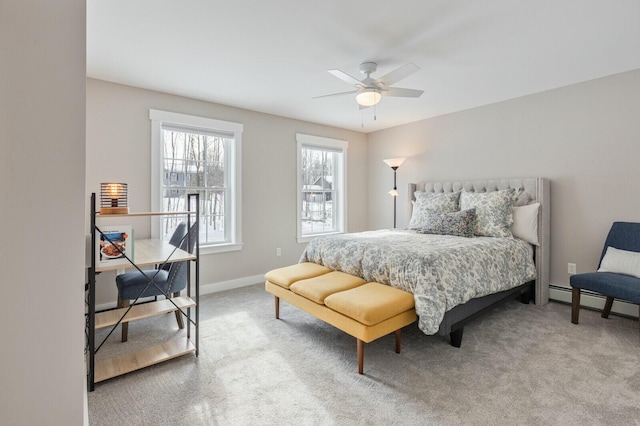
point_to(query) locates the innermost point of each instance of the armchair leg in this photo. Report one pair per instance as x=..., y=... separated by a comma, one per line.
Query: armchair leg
x=575, y=304
x=607, y=307
x=179, y=314
x=125, y=325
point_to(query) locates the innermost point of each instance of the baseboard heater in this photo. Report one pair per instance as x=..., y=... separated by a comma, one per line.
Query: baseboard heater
x=592, y=300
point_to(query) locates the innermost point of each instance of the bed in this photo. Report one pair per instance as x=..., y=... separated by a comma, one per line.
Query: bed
x=454, y=276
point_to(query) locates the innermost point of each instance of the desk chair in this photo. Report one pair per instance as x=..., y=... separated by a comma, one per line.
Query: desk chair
x=618, y=282
x=169, y=279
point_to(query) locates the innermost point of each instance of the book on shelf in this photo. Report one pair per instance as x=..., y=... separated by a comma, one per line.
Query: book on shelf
x=114, y=245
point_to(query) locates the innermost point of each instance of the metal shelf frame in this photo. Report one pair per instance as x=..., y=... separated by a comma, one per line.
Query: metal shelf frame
x=113, y=367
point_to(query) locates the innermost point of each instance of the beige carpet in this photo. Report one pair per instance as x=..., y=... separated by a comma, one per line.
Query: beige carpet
x=521, y=364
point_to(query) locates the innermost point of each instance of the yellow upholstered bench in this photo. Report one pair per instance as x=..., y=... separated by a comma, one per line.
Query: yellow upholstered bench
x=363, y=310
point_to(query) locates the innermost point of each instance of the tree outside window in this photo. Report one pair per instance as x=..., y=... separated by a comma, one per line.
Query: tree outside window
x=195, y=163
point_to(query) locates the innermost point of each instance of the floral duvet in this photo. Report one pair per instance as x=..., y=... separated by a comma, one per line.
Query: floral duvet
x=441, y=271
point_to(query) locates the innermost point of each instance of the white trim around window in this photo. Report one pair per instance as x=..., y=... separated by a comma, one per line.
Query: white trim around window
x=337, y=192
x=233, y=235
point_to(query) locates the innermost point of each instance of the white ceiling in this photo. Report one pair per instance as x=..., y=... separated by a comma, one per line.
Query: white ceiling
x=273, y=56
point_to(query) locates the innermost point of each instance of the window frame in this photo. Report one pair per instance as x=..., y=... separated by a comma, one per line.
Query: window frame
x=339, y=182
x=233, y=199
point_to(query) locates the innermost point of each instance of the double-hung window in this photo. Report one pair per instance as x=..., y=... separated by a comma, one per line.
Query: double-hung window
x=197, y=155
x=321, y=186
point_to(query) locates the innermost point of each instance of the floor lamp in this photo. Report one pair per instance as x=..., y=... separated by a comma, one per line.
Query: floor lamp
x=394, y=163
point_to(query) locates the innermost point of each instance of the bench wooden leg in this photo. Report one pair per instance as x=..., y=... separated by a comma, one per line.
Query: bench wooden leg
x=360, y=356
x=575, y=304
x=607, y=307
x=277, y=302
x=398, y=340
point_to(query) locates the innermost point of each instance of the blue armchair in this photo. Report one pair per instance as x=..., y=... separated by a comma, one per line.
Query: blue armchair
x=166, y=280
x=623, y=236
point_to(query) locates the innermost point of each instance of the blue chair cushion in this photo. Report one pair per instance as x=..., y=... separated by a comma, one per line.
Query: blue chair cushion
x=131, y=284
x=610, y=284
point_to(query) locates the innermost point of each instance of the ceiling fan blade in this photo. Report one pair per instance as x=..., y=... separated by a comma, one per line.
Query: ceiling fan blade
x=405, y=93
x=398, y=74
x=346, y=77
x=351, y=92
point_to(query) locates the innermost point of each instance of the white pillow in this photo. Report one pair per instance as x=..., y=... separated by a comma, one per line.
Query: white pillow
x=621, y=262
x=525, y=223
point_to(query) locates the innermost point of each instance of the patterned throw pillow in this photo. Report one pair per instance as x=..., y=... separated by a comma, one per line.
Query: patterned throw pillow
x=459, y=223
x=430, y=203
x=493, y=211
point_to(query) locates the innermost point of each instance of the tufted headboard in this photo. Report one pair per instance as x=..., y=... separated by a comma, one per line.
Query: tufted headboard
x=534, y=189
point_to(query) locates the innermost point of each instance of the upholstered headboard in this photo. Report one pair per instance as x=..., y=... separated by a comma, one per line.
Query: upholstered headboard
x=534, y=189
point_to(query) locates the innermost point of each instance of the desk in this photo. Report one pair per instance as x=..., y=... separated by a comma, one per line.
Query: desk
x=151, y=252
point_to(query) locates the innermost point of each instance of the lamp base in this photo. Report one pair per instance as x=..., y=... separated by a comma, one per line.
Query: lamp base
x=114, y=210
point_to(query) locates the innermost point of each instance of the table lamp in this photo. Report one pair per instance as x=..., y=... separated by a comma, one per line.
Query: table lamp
x=113, y=198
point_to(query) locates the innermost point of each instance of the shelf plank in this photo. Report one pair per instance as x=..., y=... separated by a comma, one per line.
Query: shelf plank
x=145, y=214
x=109, y=318
x=132, y=361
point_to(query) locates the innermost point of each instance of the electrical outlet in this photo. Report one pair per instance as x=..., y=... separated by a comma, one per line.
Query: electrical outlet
x=571, y=268
x=278, y=252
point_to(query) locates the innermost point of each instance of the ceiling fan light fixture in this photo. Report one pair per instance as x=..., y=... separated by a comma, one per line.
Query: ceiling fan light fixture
x=368, y=97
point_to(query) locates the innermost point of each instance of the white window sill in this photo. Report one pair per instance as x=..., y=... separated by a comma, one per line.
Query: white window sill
x=308, y=238
x=220, y=248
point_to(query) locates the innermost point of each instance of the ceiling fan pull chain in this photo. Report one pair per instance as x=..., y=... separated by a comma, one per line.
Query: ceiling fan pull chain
x=374, y=113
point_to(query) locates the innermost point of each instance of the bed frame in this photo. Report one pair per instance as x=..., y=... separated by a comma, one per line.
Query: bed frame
x=534, y=190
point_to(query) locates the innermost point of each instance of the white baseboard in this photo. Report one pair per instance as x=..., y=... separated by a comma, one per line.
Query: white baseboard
x=588, y=299
x=231, y=284
x=204, y=289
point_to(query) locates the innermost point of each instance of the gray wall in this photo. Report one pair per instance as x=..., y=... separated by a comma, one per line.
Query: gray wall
x=118, y=127
x=42, y=147
x=585, y=138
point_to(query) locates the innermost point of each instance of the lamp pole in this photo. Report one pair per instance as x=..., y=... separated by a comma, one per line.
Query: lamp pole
x=395, y=195
x=394, y=163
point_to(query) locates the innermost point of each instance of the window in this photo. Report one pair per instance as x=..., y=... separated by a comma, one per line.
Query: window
x=321, y=186
x=197, y=155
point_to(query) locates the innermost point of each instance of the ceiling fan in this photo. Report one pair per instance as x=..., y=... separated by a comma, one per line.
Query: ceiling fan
x=370, y=90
